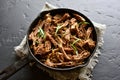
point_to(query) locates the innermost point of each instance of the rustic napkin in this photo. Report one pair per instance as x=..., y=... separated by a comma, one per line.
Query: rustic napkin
x=84, y=73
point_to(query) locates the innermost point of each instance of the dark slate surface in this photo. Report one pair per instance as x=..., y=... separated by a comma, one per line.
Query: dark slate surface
x=16, y=16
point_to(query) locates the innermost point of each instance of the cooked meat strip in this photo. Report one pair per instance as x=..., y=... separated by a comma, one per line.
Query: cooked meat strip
x=65, y=16
x=83, y=55
x=77, y=31
x=57, y=17
x=41, y=50
x=90, y=43
x=62, y=64
x=52, y=29
x=89, y=31
x=81, y=35
x=68, y=49
x=81, y=44
x=51, y=39
x=67, y=34
x=73, y=29
x=40, y=24
x=59, y=40
x=60, y=56
x=63, y=51
x=73, y=20
x=47, y=45
x=65, y=64
x=48, y=18
x=46, y=27
x=73, y=26
x=49, y=63
x=65, y=23
x=32, y=36
x=79, y=18
x=82, y=32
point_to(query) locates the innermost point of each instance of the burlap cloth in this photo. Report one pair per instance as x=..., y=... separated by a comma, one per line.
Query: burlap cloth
x=84, y=73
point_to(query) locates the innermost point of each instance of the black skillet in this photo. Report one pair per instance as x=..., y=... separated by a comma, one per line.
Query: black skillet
x=10, y=70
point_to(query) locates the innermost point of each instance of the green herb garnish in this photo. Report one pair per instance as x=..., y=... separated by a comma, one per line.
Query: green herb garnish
x=41, y=33
x=84, y=22
x=74, y=47
x=76, y=41
x=58, y=27
x=36, y=43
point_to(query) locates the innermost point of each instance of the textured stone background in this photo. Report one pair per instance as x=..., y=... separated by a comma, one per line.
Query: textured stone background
x=16, y=16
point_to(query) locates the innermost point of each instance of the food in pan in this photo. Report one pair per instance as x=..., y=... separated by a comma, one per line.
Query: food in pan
x=62, y=40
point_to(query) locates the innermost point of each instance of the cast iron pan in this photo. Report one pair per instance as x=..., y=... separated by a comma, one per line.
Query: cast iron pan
x=10, y=70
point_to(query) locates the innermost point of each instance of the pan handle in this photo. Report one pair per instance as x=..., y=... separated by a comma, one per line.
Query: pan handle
x=10, y=70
